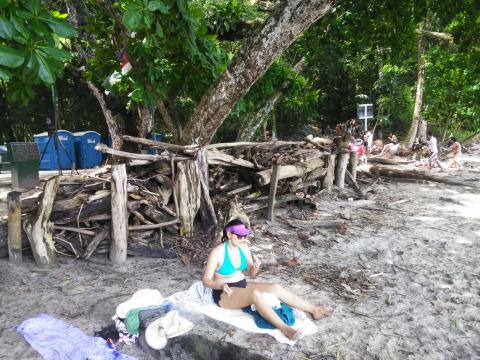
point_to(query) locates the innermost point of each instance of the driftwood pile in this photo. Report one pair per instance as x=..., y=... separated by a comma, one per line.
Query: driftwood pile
x=174, y=191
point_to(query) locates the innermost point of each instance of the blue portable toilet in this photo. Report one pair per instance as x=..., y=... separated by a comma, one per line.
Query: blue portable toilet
x=156, y=137
x=46, y=147
x=87, y=155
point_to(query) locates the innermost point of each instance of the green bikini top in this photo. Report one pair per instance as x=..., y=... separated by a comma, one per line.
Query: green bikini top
x=227, y=266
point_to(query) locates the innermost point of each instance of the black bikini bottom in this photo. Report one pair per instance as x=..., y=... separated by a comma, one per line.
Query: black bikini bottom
x=216, y=294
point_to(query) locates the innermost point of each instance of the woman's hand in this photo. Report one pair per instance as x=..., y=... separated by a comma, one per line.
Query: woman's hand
x=226, y=289
x=255, y=266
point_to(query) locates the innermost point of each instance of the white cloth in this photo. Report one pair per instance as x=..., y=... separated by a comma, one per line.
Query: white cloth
x=432, y=145
x=239, y=318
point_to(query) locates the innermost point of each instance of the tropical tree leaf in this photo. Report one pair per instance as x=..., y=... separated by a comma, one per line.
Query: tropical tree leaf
x=32, y=5
x=18, y=23
x=44, y=70
x=32, y=63
x=7, y=30
x=11, y=57
x=132, y=19
x=4, y=3
x=59, y=54
x=5, y=74
x=159, y=5
x=61, y=27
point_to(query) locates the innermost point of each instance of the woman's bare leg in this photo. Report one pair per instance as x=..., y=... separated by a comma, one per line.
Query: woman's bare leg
x=242, y=297
x=290, y=299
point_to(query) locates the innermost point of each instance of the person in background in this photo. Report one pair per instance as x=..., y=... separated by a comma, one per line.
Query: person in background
x=456, y=149
x=224, y=273
x=433, y=152
x=368, y=140
x=393, y=138
x=390, y=149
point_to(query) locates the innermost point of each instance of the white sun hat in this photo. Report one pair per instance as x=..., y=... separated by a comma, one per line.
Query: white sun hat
x=141, y=298
x=166, y=327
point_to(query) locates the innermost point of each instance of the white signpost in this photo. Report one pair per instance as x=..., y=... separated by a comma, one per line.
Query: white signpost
x=365, y=113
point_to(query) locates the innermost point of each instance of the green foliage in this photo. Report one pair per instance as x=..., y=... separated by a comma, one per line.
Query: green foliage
x=224, y=16
x=31, y=46
x=396, y=98
x=169, y=48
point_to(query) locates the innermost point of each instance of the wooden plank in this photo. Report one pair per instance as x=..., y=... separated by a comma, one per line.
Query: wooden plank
x=39, y=228
x=97, y=239
x=273, y=192
x=152, y=226
x=118, y=245
x=14, y=204
x=327, y=183
x=340, y=169
x=74, y=229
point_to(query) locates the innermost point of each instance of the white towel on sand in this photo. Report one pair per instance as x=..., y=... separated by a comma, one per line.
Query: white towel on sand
x=196, y=300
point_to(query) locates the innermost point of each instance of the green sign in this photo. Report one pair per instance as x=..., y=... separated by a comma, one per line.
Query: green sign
x=24, y=163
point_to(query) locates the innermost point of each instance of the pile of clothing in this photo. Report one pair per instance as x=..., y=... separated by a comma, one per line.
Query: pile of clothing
x=147, y=310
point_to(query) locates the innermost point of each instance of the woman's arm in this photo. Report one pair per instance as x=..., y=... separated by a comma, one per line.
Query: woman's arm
x=210, y=271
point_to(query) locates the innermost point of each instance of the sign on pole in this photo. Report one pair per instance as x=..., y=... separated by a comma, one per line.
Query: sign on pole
x=365, y=113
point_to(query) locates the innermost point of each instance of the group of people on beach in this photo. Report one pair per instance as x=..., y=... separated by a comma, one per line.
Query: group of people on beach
x=363, y=143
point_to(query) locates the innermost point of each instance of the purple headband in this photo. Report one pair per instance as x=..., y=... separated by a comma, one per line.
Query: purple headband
x=239, y=229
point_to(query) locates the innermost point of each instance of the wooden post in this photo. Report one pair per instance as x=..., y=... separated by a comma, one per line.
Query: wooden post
x=206, y=208
x=39, y=229
x=273, y=191
x=330, y=175
x=341, y=168
x=353, y=164
x=118, y=245
x=14, y=203
x=188, y=188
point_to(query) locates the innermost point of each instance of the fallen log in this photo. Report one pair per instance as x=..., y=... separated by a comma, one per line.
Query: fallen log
x=419, y=175
x=128, y=155
x=384, y=161
x=288, y=171
x=215, y=157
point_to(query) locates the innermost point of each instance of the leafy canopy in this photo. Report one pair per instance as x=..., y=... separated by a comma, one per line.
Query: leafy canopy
x=31, y=46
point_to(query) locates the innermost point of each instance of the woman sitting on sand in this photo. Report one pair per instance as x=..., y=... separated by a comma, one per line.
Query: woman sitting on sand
x=224, y=274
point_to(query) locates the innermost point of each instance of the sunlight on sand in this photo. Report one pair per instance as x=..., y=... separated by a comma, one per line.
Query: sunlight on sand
x=470, y=208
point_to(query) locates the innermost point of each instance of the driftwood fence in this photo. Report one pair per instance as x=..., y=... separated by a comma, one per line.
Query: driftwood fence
x=108, y=208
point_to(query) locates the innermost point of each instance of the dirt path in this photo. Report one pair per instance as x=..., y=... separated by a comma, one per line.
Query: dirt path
x=403, y=278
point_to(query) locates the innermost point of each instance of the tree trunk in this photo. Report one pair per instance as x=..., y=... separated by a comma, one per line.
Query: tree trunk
x=145, y=122
x=422, y=131
x=419, y=96
x=113, y=126
x=445, y=130
x=249, y=64
x=250, y=126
